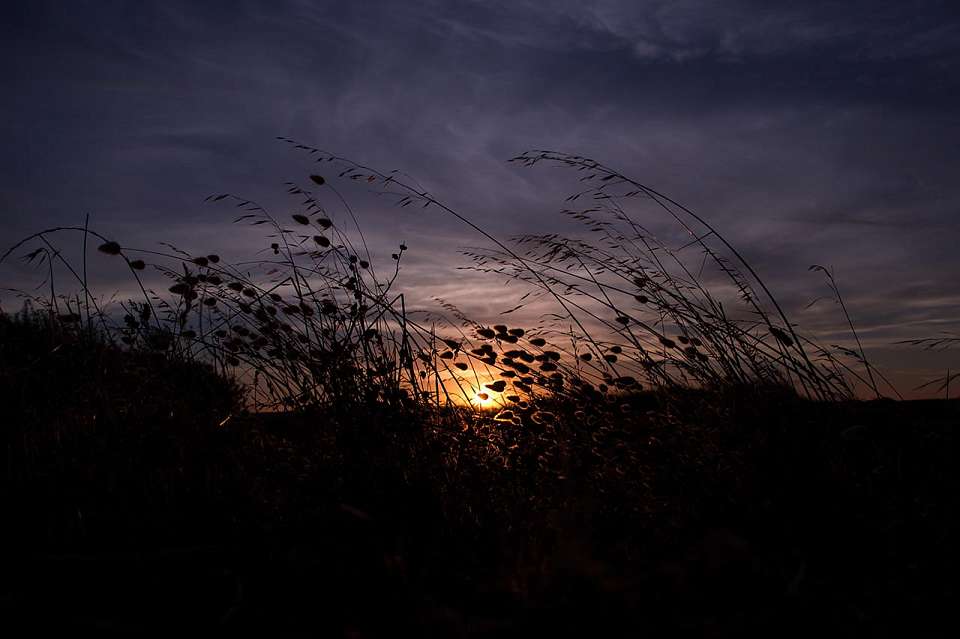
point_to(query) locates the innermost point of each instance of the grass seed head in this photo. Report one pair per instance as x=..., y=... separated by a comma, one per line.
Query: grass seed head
x=110, y=248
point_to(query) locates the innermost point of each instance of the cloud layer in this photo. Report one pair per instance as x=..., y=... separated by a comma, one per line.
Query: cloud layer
x=810, y=134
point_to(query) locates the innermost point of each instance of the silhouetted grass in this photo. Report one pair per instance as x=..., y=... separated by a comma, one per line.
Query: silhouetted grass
x=279, y=445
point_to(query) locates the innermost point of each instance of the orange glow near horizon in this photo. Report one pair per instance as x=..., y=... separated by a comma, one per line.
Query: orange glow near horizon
x=482, y=399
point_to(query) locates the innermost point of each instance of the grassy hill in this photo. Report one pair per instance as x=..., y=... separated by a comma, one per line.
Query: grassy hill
x=131, y=507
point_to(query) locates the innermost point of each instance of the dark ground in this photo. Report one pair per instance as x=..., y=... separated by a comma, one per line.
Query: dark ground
x=728, y=517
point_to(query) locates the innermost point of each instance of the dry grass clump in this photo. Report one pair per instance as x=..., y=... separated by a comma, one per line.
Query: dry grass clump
x=315, y=324
x=633, y=313
x=582, y=460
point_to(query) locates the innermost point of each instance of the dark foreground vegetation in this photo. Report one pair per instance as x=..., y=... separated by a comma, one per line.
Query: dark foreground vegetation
x=131, y=509
x=282, y=446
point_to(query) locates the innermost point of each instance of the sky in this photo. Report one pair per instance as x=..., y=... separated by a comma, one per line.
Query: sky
x=816, y=132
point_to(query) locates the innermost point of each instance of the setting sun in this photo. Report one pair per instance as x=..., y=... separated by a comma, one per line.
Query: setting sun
x=482, y=400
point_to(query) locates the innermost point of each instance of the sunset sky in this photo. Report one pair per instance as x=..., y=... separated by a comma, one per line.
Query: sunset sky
x=824, y=132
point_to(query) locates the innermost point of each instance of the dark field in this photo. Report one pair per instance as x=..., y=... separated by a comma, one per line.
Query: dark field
x=128, y=509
